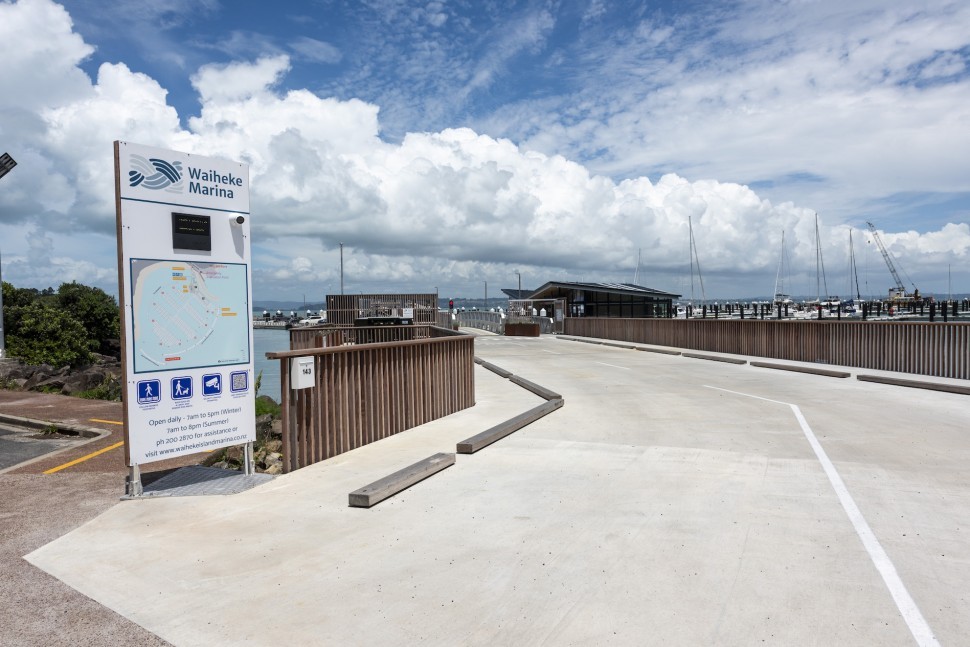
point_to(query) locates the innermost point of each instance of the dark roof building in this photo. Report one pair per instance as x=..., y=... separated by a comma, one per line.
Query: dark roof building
x=514, y=293
x=609, y=299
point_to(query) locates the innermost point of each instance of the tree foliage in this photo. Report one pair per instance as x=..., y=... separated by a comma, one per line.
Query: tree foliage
x=46, y=335
x=95, y=309
x=16, y=297
x=58, y=328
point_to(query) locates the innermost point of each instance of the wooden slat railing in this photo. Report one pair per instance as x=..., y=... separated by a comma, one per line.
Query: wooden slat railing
x=367, y=392
x=328, y=336
x=935, y=349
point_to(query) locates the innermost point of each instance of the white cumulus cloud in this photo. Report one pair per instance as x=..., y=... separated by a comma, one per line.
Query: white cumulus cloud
x=449, y=209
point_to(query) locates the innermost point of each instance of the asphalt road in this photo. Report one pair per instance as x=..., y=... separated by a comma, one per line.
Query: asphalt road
x=19, y=445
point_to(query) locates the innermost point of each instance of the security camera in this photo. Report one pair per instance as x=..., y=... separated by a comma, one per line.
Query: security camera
x=240, y=220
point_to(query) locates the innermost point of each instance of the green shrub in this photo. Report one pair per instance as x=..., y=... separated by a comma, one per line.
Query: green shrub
x=46, y=335
x=95, y=309
x=266, y=404
x=109, y=389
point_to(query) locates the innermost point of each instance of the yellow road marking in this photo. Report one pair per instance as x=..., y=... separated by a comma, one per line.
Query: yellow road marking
x=83, y=458
x=107, y=422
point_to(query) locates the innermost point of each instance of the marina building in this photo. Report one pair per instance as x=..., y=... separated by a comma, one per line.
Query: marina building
x=624, y=300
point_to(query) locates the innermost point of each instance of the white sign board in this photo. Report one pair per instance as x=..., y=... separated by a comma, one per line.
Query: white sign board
x=185, y=293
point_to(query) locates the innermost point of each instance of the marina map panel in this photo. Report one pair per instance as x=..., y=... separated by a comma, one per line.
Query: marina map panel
x=188, y=314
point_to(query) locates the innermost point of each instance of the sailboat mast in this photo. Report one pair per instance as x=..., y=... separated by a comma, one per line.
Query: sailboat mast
x=695, y=260
x=853, y=268
x=781, y=261
x=690, y=255
x=818, y=251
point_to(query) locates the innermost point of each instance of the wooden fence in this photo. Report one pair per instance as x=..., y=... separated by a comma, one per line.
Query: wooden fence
x=367, y=392
x=936, y=349
x=329, y=336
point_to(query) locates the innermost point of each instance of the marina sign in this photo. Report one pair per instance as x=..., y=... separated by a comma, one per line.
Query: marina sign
x=185, y=293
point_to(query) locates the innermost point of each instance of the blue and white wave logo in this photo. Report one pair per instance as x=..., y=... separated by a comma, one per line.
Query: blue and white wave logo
x=153, y=173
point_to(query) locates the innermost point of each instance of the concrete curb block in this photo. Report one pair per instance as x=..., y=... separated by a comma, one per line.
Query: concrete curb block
x=663, y=351
x=915, y=384
x=503, y=429
x=715, y=358
x=580, y=340
x=400, y=480
x=803, y=369
x=553, y=401
x=541, y=391
x=501, y=372
x=386, y=487
x=66, y=428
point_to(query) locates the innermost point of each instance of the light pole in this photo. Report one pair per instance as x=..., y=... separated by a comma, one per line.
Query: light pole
x=519, y=294
x=6, y=163
x=341, y=268
x=486, y=295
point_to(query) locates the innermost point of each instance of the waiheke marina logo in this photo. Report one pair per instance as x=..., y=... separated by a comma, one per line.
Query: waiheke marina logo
x=156, y=174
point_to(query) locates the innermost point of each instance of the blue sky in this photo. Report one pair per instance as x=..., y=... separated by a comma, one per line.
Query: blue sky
x=452, y=143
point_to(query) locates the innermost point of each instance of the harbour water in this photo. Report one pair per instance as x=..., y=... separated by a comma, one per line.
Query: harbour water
x=266, y=341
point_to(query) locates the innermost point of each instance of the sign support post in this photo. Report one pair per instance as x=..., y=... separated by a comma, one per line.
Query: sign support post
x=134, y=481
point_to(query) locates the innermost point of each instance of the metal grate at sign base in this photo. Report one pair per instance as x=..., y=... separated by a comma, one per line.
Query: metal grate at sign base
x=198, y=480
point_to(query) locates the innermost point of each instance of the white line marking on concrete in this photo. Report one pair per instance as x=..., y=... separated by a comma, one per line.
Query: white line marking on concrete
x=625, y=368
x=549, y=351
x=904, y=602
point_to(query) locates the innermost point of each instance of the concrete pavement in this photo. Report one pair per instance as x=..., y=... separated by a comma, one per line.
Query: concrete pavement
x=670, y=501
